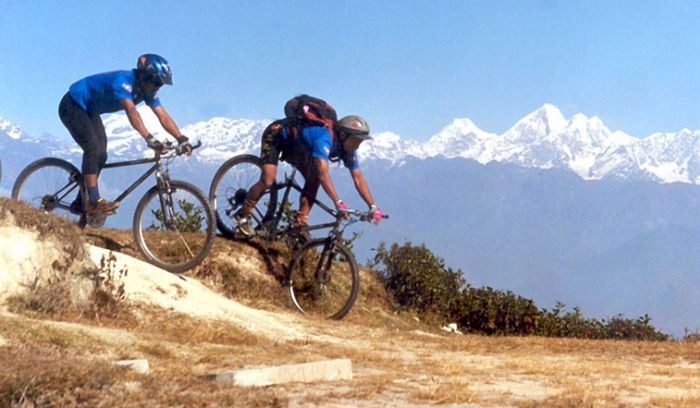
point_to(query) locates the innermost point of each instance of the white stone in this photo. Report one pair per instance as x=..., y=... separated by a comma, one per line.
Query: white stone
x=140, y=365
x=329, y=370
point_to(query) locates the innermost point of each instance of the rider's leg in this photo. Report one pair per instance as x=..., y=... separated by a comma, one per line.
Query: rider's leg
x=94, y=158
x=267, y=178
x=308, y=193
x=270, y=150
x=88, y=131
x=242, y=217
x=80, y=126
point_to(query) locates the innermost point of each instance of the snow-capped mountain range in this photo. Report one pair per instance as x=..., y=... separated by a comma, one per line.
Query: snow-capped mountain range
x=543, y=139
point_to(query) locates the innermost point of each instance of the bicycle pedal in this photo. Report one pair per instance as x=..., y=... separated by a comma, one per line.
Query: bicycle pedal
x=96, y=222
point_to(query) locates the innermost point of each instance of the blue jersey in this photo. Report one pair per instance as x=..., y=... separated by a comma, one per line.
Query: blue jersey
x=318, y=142
x=101, y=93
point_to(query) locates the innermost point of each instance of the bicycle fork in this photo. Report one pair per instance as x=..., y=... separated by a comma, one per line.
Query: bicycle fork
x=167, y=207
x=324, y=264
x=166, y=201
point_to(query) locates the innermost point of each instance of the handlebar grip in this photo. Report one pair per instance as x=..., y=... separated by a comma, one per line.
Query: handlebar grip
x=179, y=151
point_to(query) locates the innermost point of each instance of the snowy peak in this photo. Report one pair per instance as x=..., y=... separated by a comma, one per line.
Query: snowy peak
x=10, y=130
x=223, y=138
x=545, y=120
x=389, y=146
x=461, y=138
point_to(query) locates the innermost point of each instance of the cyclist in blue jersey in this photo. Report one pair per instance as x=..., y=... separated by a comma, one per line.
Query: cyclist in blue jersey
x=310, y=149
x=87, y=99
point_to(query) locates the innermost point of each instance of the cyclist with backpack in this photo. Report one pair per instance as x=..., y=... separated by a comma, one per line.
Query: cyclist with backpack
x=108, y=92
x=309, y=138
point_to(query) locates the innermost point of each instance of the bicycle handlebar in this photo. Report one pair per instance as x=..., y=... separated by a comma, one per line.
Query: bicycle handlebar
x=361, y=215
x=169, y=147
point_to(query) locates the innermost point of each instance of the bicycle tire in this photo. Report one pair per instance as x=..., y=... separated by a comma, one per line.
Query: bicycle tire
x=48, y=184
x=175, y=248
x=336, y=294
x=229, y=188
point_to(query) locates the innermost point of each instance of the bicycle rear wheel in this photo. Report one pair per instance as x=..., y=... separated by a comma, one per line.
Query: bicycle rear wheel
x=50, y=185
x=323, y=279
x=228, y=191
x=174, y=229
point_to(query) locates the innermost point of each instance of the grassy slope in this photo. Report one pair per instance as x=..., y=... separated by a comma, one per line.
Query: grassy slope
x=65, y=359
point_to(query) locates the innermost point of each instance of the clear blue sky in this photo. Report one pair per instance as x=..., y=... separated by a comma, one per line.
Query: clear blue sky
x=407, y=66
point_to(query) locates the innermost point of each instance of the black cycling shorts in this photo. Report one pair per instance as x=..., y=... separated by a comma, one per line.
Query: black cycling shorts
x=88, y=131
x=273, y=148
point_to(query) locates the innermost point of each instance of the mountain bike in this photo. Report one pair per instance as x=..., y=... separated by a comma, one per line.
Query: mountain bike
x=322, y=278
x=174, y=226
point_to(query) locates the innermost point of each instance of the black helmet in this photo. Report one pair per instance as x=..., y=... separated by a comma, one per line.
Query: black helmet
x=154, y=68
x=354, y=125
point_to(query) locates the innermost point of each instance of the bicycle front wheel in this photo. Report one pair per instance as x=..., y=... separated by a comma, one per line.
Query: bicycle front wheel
x=50, y=185
x=228, y=191
x=323, y=279
x=174, y=229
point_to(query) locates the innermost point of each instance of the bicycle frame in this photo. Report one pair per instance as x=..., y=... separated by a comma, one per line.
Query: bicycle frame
x=288, y=185
x=79, y=181
x=153, y=169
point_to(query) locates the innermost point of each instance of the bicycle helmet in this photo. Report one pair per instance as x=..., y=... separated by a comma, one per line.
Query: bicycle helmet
x=353, y=125
x=154, y=68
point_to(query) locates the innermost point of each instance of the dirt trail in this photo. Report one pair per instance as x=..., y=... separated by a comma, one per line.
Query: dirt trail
x=148, y=284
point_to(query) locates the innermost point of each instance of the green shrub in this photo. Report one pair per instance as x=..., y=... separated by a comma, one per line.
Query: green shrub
x=490, y=311
x=621, y=328
x=420, y=281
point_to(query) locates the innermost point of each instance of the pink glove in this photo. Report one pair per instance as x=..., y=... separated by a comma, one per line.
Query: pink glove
x=342, y=207
x=376, y=214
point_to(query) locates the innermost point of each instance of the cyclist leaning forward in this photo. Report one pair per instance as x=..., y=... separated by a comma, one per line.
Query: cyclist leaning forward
x=309, y=148
x=87, y=99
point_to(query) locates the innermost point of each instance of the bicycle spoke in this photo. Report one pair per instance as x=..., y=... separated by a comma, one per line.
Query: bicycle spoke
x=185, y=244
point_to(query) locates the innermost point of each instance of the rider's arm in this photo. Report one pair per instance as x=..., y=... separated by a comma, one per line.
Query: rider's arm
x=361, y=186
x=324, y=177
x=166, y=121
x=134, y=117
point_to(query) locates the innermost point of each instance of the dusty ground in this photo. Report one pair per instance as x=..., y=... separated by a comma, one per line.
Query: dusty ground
x=187, y=330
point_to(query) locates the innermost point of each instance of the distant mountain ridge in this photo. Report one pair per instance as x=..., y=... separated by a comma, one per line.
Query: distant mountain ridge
x=543, y=139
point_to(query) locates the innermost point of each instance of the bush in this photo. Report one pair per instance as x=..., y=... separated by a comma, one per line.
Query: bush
x=419, y=281
x=619, y=327
x=490, y=311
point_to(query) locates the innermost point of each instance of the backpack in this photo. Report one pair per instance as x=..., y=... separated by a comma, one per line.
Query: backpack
x=305, y=110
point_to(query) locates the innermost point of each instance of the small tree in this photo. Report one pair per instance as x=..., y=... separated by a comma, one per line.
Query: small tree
x=189, y=218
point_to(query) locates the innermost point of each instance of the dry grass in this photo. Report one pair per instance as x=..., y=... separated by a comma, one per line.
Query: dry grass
x=396, y=367
x=43, y=376
x=397, y=361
